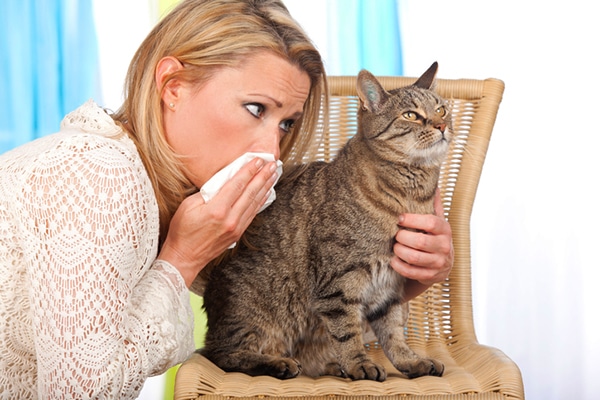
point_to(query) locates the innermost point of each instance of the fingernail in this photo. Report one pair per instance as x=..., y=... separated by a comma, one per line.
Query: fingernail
x=401, y=218
x=273, y=167
x=259, y=162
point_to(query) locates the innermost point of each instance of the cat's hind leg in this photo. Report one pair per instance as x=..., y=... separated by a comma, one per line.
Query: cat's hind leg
x=254, y=364
x=251, y=352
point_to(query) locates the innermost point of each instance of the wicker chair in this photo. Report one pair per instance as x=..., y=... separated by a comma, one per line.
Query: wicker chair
x=441, y=319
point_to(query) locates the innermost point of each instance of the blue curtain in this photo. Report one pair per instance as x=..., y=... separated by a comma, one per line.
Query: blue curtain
x=48, y=65
x=364, y=34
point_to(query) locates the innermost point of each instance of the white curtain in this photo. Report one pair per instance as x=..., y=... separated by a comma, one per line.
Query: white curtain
x=353, y=34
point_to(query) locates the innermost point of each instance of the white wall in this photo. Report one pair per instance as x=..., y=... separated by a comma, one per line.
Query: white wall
x=535, y=222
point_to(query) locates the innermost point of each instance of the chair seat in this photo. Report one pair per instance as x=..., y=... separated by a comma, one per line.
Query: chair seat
x=468, y=371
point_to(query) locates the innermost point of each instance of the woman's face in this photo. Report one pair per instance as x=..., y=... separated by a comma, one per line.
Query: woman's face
x=249, y=108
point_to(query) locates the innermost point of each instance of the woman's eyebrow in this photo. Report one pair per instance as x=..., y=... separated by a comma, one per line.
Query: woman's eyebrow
x=277, y=102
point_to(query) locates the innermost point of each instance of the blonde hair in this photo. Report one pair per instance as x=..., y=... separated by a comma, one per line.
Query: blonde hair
x=205, y=35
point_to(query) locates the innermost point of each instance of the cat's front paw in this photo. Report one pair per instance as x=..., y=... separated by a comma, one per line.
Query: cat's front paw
x=367, y=370
x=422, y=367
x=283, y=368
x=334, y=369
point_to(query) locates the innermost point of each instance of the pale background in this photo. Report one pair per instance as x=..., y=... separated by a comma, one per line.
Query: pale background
x=535, y=222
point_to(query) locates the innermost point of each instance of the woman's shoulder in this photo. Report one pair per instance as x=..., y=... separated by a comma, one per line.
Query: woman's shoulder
x=90, y=118
x=87, y=135
x=89, y=130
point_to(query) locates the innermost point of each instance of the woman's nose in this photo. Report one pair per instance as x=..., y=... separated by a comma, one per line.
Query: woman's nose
x=270, y=142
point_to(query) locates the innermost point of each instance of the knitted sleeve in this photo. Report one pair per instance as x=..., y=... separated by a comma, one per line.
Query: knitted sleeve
x=105, y=315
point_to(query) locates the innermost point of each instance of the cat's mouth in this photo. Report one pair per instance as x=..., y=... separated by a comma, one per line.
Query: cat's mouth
x=444, y=135
x=442, y=140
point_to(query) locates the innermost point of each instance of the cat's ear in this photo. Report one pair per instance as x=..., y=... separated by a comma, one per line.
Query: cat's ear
x=370, y=92
x=427, y=80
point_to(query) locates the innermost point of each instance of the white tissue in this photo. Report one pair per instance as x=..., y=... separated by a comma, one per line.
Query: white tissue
x=214, y=184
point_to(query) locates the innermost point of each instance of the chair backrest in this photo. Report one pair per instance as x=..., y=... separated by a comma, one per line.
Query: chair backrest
x=445, y=310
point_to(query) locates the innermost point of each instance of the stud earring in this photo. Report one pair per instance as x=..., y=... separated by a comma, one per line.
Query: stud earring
x=171, y=105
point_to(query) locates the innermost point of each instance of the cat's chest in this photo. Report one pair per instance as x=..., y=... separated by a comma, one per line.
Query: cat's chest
x=384, y=283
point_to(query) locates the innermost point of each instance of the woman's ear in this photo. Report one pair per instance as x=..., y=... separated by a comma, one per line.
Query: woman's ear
x=171, y=90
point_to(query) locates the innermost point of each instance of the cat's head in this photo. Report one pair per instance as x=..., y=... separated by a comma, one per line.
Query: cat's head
x=410, y=124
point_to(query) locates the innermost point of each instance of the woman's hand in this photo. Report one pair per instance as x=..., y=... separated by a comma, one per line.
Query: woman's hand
x=423, y=258
x=200, y=231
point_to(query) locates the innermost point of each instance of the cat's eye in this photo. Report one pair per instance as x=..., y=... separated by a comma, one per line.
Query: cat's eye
x=256, y=109
x=410, y=116
x=441, y=111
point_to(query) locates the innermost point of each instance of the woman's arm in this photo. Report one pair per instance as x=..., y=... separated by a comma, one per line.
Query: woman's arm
x=104, y=317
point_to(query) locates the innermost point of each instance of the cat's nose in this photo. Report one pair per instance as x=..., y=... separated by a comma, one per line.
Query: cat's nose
x=441, y=127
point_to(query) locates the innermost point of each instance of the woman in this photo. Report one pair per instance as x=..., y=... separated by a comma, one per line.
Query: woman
x=102, y=228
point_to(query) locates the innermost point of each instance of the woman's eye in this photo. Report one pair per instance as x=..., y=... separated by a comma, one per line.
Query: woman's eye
x=287, y=125
x=255, y=109
x=441, y=111
x=410, y=116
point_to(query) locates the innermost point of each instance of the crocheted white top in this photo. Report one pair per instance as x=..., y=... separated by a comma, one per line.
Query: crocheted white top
x=85, y=309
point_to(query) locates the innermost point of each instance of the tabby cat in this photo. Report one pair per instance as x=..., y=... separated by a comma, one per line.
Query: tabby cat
x=297, y=301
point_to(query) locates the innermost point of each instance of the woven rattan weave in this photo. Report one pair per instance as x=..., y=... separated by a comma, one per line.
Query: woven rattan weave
x=441, y=319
